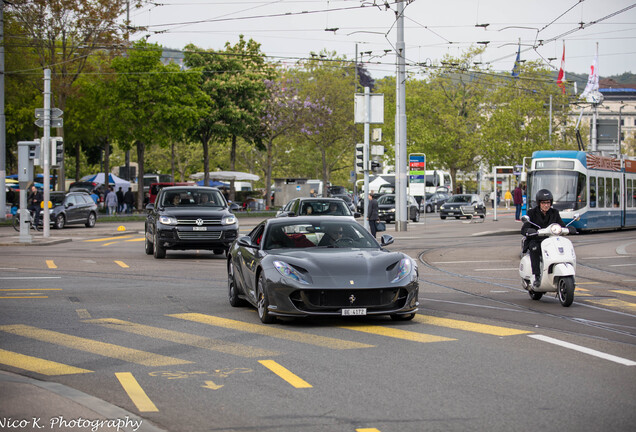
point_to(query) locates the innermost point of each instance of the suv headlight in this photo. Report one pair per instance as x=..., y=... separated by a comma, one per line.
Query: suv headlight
x=228, y=220
x=167, y=220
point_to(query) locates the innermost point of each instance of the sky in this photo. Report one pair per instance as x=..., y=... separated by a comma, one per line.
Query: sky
x=289, y=30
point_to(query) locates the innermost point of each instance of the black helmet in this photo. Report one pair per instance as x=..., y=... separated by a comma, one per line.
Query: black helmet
x=544, y=195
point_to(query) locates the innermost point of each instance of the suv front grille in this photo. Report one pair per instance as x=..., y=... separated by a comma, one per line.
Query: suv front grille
x=199, y=235
x=193, y=221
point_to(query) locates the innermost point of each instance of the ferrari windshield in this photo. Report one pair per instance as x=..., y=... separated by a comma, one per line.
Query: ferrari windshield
x=301, y=235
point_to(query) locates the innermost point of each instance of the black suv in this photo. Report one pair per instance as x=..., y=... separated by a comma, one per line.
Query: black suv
x=72, y=208
x=189, y=217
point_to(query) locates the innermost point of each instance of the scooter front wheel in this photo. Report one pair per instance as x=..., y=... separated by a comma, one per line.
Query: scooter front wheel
x=535, y=295
x=565, y=290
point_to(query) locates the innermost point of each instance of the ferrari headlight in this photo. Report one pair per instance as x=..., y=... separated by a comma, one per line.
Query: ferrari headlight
x=289, y=272
x=228, y=220
x=403, y=270
x=167, y=220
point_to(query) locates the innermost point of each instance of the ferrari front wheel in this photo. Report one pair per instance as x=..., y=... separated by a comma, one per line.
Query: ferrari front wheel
x=262, y=302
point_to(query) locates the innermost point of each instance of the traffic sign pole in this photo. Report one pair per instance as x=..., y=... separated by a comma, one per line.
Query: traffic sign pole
x=44, y=148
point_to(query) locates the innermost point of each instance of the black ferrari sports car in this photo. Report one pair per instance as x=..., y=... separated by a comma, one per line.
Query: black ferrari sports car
x=320, y=266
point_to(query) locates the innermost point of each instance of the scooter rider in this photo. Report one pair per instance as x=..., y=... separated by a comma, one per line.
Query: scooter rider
x=542, y=215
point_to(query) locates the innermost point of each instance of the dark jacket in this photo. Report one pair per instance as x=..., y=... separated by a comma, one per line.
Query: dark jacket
x=373, y=214
x=129, y=198
x=536, y=216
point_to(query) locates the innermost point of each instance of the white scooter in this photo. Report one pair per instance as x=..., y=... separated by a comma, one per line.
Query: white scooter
x=558, y=264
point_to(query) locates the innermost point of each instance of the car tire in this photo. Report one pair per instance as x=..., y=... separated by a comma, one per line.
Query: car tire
x=416, y=217
x=429, y=209
x=218, y=251
x=442, y=217
x=159, y=252
x=60, y=221
x=232, y=292
x=90, y=222
x=148, y=245
x=262, y=302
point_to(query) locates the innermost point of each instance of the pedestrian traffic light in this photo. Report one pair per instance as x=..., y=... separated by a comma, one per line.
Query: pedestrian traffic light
x=376, y=167
x=34, y=151
x=362, y=159
x=57, y=152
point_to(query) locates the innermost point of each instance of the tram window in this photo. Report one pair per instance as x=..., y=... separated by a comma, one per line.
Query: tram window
x=592, y=191
x=630, y=193
x=601, y=192
x=608, y=192
x=581, y=192
x=617, y=193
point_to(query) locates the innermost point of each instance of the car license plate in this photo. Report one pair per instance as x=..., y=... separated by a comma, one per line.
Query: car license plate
x=355, y=311
x=197, y=228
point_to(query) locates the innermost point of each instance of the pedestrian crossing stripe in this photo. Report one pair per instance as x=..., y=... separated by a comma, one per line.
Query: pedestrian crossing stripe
x=397, y=333
x=184, y=338
x=272, y=331
x=614, y=304
x=626, y=292
x=92, y=346
x=38, y=365
x=468, y=326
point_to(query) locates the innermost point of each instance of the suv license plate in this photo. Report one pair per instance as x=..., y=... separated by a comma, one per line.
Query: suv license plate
x=352, y=312
x=198, y=228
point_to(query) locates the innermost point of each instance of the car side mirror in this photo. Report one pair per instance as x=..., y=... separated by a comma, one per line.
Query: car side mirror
x=245, y=241
x=386, y=240
x=150, y=206
x=67, y=205
x=356, y=215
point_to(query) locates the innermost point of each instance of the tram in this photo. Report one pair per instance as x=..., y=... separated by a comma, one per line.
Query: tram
x=601, y=189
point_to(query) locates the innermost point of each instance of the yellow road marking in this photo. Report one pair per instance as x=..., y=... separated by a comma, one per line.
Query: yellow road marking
x=587, y=283
x=397, y=333
x=135, y=392
x=468, y=326
x=271, y=331
x=615, y=303
x=108, y=238
x=136, y=239
x=211, y=385
x=285, y=374
x=83, y=313
x=185, y=338
x=38, y=365
x=24, y=297
x=91, y=346
x=51, y=264
x=630, y=293
x=31, y=289
x=121, y=264
x=581, y=289
x=367, y=430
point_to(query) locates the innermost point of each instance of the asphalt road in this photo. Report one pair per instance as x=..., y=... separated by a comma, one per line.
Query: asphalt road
x=157, y=339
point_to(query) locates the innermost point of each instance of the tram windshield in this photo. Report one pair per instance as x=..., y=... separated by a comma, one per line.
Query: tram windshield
x=568, y=188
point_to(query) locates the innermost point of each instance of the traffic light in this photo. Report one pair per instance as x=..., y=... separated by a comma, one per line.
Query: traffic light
x=376, y=167
x=362, y=159
x=34, y=152
x=57, y=152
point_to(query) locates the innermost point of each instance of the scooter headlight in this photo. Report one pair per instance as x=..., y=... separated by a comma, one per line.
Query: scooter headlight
x=555, y=229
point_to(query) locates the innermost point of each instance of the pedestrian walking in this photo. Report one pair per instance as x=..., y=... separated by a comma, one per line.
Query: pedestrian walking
x=129, y=201
x=517, y=200
x=508, y=198
x=111, y=201
x=373, y=215
x=120, y=201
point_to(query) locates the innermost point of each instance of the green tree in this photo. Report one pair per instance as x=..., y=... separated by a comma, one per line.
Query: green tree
x=327, y=86
x=151, y=99
x=233, y=81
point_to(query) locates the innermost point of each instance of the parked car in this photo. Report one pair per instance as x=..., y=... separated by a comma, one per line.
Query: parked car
x=308, y=206
x=320, y=266
x=386, y=208
x=452, y=207
x=72, y=208
x=189, y=217
x=434, y=201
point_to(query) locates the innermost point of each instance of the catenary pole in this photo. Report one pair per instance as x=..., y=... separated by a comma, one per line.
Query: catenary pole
x=400, y=124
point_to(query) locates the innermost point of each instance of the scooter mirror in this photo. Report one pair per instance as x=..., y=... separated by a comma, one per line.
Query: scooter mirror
x=525, y=218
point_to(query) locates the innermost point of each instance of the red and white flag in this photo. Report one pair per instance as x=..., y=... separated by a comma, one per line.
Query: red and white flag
x=592, y=80
x=561, y=78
